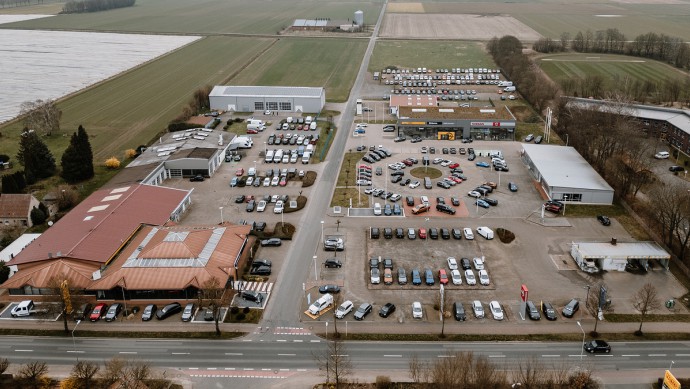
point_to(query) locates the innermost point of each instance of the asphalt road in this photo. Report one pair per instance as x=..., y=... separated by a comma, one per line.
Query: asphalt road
x=283, y=310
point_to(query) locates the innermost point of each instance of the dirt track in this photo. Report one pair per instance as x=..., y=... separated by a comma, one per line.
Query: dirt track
x=459, y=26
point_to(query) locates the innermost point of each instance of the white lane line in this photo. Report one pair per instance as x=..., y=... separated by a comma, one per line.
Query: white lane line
x=284, y=369
x=445, y=356
x=193, y=368
x=287, y=355
x=301, y=369
x=234, y=353
x=128, y=352
x=656, y=355
x=229, y=368
x=24, y=351
x=281, y=340
x=75, y=351
x=393, y=355
x=297, y=341
x=180, y=353
x=248, y=369
x=497, y=356
x=340, y=355
x=211, y=368
x=315, y=341
x=683, y=355
x=550, y=356
x=604, y=356
x=246, y=340
x=630, y=355
x=265, y=369
x=574, y=355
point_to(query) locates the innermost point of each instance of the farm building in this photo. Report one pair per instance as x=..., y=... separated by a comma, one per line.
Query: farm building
x=15, y=210
x=456, y=123
x=564, y=175
x=273, y=98
x=614, y=255
x=669, y=124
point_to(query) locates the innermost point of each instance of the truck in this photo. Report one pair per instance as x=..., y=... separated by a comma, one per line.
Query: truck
x=242, y=142
x=509, y=89
x=257, y=127
x=256, y=122
x=24, y=308
x=305, y=157
x=269, y=156
x=278, y=156
x=321, y=304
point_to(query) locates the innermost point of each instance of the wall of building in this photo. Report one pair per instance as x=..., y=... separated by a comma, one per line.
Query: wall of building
x=457, y=129
x=259, y=103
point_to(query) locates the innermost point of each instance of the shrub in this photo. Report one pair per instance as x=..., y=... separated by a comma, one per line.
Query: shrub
x=130, y=153
x=301, y=203
x=246, y=310
x=309, y=179
x=504, y=235
x=112, y=163
x=180, y=126
x=234, y=310
x=240, y=316
x=383, y=382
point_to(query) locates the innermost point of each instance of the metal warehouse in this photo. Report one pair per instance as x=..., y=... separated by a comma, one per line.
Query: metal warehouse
x=457, y=123
x=614, y=255
x=564, y=175
x=272, y=98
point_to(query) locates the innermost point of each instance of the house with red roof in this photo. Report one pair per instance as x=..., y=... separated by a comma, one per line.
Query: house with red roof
x=15, y=210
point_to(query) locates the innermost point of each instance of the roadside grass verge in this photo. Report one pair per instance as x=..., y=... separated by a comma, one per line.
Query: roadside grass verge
x=587, y=210
x=350, y=162
x=650, y=318
x=323, y=145
x=342, y=196
x=573, y=337
x=211, y=334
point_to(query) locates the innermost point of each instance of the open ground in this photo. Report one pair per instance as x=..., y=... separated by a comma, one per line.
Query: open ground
x=610, y=67
x=430, y=54
x=207, y=16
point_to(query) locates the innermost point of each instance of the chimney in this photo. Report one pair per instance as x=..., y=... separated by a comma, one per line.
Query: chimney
x=613, y=241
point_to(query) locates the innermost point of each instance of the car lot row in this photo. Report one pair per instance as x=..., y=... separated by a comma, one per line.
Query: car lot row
x=110, y=313
x=433, y=233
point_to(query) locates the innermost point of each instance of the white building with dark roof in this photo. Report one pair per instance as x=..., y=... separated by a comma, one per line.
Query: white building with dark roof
x=565, y=175
x=272, y=98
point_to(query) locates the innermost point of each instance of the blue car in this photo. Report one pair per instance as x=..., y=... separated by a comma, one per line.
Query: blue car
x=482, y=203
x=513, y=187
x=416, y=279
x=388, y=210
x=482, y=164
x=428, y=277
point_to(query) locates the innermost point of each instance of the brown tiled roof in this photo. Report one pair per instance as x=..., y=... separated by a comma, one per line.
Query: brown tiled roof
x=493, y=113
x=15, y=206
x=96, y=228
x=175, y=257
x=77, y=273
x=413, y=101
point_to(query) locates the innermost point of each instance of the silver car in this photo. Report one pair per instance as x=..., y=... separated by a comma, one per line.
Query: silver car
x=188, y=312
x=478, y=309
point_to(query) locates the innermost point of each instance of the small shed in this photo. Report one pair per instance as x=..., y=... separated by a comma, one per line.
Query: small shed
x=614, y=255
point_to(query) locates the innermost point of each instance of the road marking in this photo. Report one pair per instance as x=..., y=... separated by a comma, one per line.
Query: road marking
x=604, y=356
x=266, y=369
x=287, y=355
x=340, y=355
x=247, y=369
x=550, y=356
x=75, y=351
x=301, y=369
x=246, y=340
x=281, y=340
x=575, y=355
x=211, y=368
x=193, y=368
x=656, y=355
x=497, y=356
x=297, y=341
x=234, y=353
x=683, y=355
x=315, y=341
x=24, y=351
x=393, y=355
x=128, y=352
x=284, y=369
x=180, y=353
x=229, y=368
x=446, y=356
x=630, y=355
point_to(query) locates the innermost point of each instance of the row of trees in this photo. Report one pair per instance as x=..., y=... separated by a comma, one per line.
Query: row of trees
x=628, y=88
x=75, y=7
x=198, y=103
x=534, y=86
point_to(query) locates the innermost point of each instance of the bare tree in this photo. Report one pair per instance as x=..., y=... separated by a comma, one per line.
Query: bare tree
x=42, y=116
x=645, y=301
x=582, y=379
x=337, y=300
x=593, y=303
x=126, y=374
x=33, y=375
x=668, y=207
x=531, y=373
x=418, y=369
x=216, y=297
x=4, y=365
x=335, y=362
x=443, y=304
x=83, y=373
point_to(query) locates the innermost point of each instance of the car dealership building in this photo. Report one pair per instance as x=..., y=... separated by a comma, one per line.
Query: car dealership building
x=443, y=123
x=271, y=98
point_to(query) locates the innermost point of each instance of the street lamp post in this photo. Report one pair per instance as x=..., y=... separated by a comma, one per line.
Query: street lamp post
x=74, y=343
x=670, y=367
x=582, y=350
x=565, y=200
x=316, y=271
x=567, y=138
x=322, y=231
x=221, y=214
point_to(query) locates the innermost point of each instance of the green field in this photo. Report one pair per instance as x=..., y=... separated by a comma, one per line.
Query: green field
x=561, y=66
x=206, y=16
x=131, y=109
x=330, y=63
x=430, y=54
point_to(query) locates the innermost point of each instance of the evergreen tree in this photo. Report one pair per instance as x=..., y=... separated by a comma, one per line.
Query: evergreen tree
x=20, y=180
x=77, y=161
x=38, y=217
x=34, y=155
x=9, y=185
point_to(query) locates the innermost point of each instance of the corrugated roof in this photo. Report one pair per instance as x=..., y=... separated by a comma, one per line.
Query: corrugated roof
x=16, y=246
x=96, y=228
x=564, y=167
x=266, y=91
x=77, y=273
x=15, y=206
x=499, y=113
x=175, y=257
x=638, y=250
x=195, y=153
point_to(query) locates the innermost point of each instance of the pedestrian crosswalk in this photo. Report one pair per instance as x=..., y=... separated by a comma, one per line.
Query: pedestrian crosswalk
x=291, y=331
x=264, y=287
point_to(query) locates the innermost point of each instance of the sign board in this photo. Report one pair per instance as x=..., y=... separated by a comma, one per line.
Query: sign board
x=524, y=293
x=670, y=382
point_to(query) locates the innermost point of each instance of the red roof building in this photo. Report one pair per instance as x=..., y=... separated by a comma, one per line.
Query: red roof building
x=15, y=210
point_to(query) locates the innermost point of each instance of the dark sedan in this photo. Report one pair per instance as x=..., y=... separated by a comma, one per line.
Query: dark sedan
x=149, y=312
x=597, y=346
x=330, y=288
x=386, y=310
x=113, y=311
x=604, y=220
x=333, y=263
x=512, y=187
x=549, y=312
x=168, y=311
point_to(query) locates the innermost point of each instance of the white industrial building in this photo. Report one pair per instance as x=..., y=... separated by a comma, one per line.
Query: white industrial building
x=565, y=175
x=612, y=255
x=272, y=98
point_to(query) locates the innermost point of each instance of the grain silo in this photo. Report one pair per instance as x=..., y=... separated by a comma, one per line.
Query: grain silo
x=359, y=18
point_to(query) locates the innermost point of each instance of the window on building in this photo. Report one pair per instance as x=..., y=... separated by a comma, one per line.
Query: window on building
x=285, y=106
x=272, y=105
x=258, y=106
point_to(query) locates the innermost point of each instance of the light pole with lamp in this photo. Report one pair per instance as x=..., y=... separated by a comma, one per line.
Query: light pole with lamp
x=221, y=214
x=316, y=271
x=565, y=200
x=567, y=138
x=328, y=356
x=322, y=231
x=582, y=350
x=74, y=343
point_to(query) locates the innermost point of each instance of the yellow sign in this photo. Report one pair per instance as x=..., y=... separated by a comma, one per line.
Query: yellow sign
x=670, y=382
x=414, y=123
x=443, y=135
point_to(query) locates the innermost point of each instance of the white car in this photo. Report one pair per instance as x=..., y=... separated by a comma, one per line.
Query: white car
x=261, y=206
x=424, y=149
x=456, y=277
x=267, y=181
x=278, y=208
x=474, y=193
x=424, y=200
x=375, y=276
x=478, y=263
x=414, y=184
x=496, y=310
x=344, y=309
x=469, y=276
x=662, y=155
x=417, y=312
x=395, y=197
x=452, y=263
x=468, y=233
x=446, y=163
x=484, y=277
x=293, y=158
x=436, y=161
x=275, y=181
x=377, y=209
x=368, y=191
x=250, y=181
x=486, y=232
x=478, y=309
x=363, y=182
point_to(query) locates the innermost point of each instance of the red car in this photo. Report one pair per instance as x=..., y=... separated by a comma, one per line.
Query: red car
x=407, y=162
x=454, y=165
x=422, y=233
x=252, y=131
x=367, y=167
x=239, y=172
x=455, y=179
x=552, y=208
x=98, y=311
x=442, y=276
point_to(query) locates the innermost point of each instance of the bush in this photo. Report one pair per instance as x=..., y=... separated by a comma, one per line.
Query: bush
x=309, y=179
x=301, y=203
x=234, y=310
x=130, y=153
x=180, y=126
x=246, y=310
x=112, y=163
x=504, y=235
x=240, y=316
x=383, y=382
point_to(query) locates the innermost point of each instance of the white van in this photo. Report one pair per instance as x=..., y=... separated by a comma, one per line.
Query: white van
x=289, y=119
x=269, y=156
x=308, y=120
x=662, y=155
x=486, y=232
x=278, y=156
x=321, y=304
x=305, y=157
x=509, y=89
x=24, y=308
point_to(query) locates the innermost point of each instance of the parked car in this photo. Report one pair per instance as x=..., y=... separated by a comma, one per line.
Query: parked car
x=197, y=178
x=428, y=277
x=465, y=264
x=113, y=311
x=549, y=311
x=261, y=262
x=604, y=220
x=260, y=271
x=168, y=311
x=482, y=203
x=484, y=277
x=571, y=308
x=457, y=233
x=416, y=278
x=496, y=310
x=271, y=242
x=433, y=233
x=456, y=277
x=458, y=311
x=443, y=277
x=512, y=187
x=333, y=263
x=149, y=312
x=402, y=276
x=532, y=311
x=82, y=312
x=469, y=277
x=445, y=208
x=675, y=169
x=329, y=288
x=387, y=310
x=363, y=311
x=188, y=313
x=417, y=312
x=98, y=311
x=375, y=276
x=478, y=263
x=452, y=263
x=468, y=233
x=478, y=309
x=529, y=138
x=344, y=309
x=252, y=296
x=597, y=346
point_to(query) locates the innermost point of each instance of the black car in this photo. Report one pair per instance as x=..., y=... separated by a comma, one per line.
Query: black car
x=570, y=308
x=260, y=271
x=458, y=311
x=604, y=220
x=444, y=150
x=404, y=183
x=409, y=200
x=471, y=157
x=240, y=199
x=493, y=202
x=259, y=226
x=443, y=184
x=250, y=206
x=388, y=233
x=445, y=209
x=375, y=233
x=271, y=242
x=457, y=233
x=262, y=262
x=399, y=233
x=512, y=187
x=538, y=139
x=440, y=200
x=452, y=150
x=396, y=179
x=252, y=296
x=82, y=313
x=532, y=311
x=149, y=312
x=445, y=234
x=433, y=233
x=432, y=150
x=333, y=263
x=330, y=288
x=675, y=168
x=197, y=178
x=387, y=263
x=465, y=264
x=386, y=310
x=208, y=314
x=363, y=311
x=113, y=311
x=367, y=159
x=549, y=312
x=455, y=201
x=168, y=311
x=597, y=346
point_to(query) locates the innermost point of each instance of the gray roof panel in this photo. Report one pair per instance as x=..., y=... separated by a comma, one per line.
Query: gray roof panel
x=267, y=91
x=564, y=167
